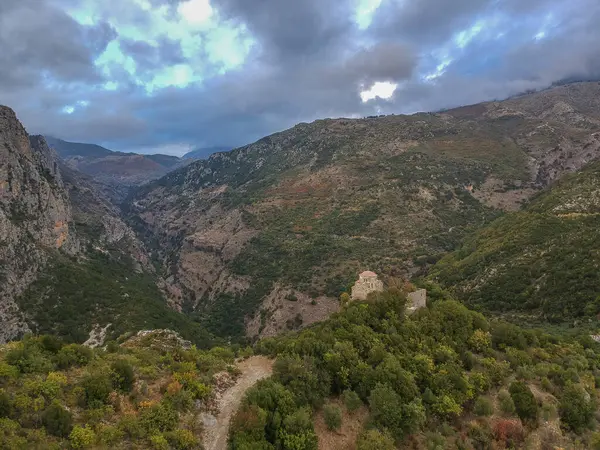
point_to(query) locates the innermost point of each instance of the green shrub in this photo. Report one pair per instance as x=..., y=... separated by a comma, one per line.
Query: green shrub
x=483, y=407
x=332, y=414
x=109, y=435
x=8, y=372
x=182, y=439
x=159, y=418
x=480, y=435
x=159, y=442
x=576, y=408
x=82, y=437
x=74, y=355
x=525, y=403
x=51, y=344
x=595, y=441
x=57, y=420
x=5, y=404
x=352, y=401
x=29, y=360
x=112, y=347
x=507, y=406
x=375, y=440
x=122, y=375
x=547, y=385
x=132, y=427
x=97, y=388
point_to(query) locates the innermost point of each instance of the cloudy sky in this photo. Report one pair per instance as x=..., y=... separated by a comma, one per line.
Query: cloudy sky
x=167, y=75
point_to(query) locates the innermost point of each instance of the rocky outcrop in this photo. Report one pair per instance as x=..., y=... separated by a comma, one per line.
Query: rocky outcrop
x=35, y=216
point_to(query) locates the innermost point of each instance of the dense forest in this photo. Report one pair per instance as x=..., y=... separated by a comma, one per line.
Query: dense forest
x=445, y=377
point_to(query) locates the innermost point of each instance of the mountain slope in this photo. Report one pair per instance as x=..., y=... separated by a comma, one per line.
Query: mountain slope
x=203, y=153
x=114, y=168
x=35, y=215
x=310, y=207
x=68, y=263
x=542, y=261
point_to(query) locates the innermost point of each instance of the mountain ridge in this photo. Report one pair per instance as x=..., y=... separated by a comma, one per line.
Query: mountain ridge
x=309, y=207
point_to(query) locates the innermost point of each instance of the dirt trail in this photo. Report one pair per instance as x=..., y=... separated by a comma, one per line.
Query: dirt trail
x=253, y=370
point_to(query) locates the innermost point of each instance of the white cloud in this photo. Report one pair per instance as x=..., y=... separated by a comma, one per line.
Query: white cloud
x=195, y=12
x=384, y=90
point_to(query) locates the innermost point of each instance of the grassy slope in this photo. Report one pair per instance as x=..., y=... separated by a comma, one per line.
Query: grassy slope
x=542, y=260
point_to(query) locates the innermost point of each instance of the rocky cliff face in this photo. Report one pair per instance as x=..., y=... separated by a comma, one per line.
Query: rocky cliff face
x=310, y=207
x=35, y=215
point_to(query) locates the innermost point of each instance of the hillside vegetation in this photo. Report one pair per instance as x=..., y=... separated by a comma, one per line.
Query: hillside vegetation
x=147, y=393
x=444, y=377
x=541, y=261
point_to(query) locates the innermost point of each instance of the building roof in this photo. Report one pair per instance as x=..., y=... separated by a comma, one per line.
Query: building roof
x=368, y=274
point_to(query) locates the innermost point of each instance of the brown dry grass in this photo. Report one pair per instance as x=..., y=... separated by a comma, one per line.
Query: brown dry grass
x=345, y=438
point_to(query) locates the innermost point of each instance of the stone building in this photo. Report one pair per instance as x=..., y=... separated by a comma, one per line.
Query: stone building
x=367, y=283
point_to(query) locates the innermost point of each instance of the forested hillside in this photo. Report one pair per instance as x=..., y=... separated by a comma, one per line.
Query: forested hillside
x=445, y=377
x=542, y=261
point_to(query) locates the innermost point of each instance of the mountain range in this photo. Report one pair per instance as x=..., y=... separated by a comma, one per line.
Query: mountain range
x=118, y=172
x=224, y=243
x=180, y=279
x=303, y=211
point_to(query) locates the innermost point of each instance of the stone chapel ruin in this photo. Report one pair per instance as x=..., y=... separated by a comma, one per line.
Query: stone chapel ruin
x=369, y=282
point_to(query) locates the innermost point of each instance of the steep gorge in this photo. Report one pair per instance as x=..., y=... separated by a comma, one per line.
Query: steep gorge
x=68, y=263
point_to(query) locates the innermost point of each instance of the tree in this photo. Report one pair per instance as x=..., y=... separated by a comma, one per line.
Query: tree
x=122, y=374
x=57, y=420
x=97, y=388
x=333, y=416
x=297, y=432
x=576, y=408
x=375, y=440
x=389, y=411
x=524, y=400
x=82, y=437
x=5, y=404
x=352, y=401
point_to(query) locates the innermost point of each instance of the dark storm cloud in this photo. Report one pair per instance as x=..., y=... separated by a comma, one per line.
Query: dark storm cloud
x=310, y=61
x=153, y=56
x=291, y=29
x=39, y=41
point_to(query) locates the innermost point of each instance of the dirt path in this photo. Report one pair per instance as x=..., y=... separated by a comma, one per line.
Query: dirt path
x=253, y=370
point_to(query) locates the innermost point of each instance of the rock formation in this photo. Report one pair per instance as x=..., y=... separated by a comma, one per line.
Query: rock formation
x=35, y=216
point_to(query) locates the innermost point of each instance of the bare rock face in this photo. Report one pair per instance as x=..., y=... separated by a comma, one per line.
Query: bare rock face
x=35, y=215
